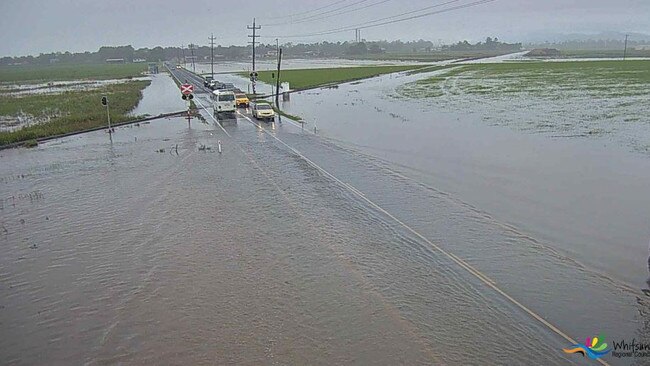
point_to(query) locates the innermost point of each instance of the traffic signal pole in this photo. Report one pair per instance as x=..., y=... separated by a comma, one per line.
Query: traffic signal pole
x=108, y=116
x=108, y=113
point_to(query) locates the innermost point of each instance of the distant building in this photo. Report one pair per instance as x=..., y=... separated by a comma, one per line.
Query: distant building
x=139, y=60
x=115, y=61
x=544, y=52
x=642, y=47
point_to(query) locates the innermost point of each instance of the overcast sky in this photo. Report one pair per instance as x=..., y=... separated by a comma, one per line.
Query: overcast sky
x=32, y=27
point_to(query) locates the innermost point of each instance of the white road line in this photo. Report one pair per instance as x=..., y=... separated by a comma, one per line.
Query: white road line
x=475, y=272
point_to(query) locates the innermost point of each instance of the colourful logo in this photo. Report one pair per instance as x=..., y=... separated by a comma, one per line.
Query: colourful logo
x=594, y=347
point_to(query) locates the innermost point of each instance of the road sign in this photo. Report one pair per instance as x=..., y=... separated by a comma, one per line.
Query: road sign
x=187, y=89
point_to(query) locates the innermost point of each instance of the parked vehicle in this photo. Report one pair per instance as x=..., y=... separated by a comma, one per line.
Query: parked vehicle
x=263, y=111
x=229, y=86
x=241, y=100
x=207, y=81
x=224, y=102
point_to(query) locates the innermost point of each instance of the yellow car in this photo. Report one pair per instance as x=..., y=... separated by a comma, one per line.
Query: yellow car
x=241, y=100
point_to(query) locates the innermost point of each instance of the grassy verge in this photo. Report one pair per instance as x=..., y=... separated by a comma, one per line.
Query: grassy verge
x=70, y=111
x=30, y=74
x=285, y=114
x=311, y=78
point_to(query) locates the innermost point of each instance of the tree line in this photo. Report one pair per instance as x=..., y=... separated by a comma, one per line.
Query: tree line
x=202, y=53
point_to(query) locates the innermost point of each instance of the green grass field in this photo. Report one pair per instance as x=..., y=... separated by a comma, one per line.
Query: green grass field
x=311, y=78
x=73, y=111
x=32, y=74
x=604, y=53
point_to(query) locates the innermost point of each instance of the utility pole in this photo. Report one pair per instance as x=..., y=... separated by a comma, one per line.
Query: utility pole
x=253, y=28
x=625, y=50
x=254, y=36
x=191, y=46
x=277, y=81
x=184, y=60
x=212, y=54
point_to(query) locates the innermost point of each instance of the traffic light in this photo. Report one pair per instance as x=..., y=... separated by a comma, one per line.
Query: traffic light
x=104, y=100
x=184, y=96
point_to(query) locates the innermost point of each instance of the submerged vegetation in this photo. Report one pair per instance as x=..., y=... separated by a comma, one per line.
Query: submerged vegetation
x=49, y=73
x=70, y=111
x=311, y=78
x=597, y=78
x=562, y=99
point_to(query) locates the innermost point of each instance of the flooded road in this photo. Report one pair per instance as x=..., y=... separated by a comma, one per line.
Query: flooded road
x=149, y=250
x=136, y=256
x=162, y=96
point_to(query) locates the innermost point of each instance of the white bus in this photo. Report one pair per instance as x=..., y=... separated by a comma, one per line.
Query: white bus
x=224, y=102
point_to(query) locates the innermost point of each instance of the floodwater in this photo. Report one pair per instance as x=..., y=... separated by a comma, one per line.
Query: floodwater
x=123, y=254
x=586, y=197
x=161, y=96
x=271, y=64
x=148, y=250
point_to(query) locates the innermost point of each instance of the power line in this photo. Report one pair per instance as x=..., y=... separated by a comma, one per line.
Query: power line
x=370, y=25
x=308, y=11
x=311, y=19
x=356, y=26
x=408, y=12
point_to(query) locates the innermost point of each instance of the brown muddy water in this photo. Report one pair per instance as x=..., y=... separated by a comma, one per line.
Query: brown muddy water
x=147, y=250
x=124, y=254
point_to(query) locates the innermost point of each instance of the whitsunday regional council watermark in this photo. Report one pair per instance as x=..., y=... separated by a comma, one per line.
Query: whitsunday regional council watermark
x=596, y=347
x=625, y=349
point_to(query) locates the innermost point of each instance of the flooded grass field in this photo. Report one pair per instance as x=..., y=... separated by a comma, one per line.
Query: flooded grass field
x=63, y=72
x=42, y=101
x=40, y=115
x=604, y=99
